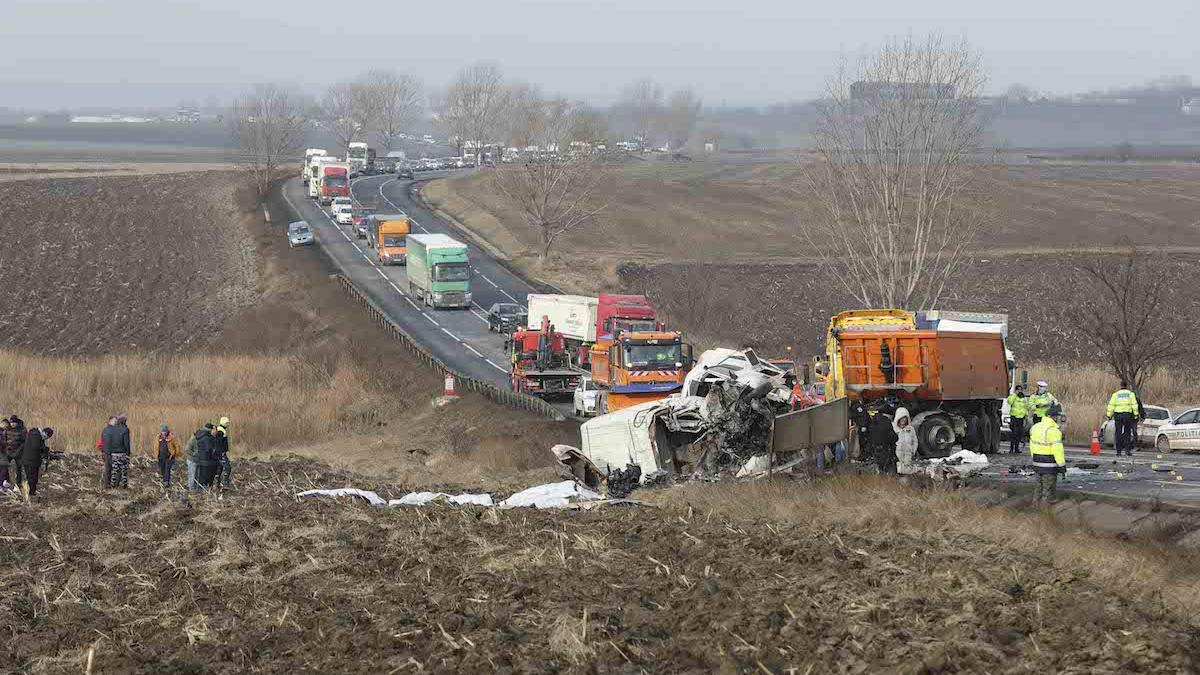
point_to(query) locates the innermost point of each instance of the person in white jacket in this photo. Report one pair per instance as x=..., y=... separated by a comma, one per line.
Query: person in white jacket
x=906, y=442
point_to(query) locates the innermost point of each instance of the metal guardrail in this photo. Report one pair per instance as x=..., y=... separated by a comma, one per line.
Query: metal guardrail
x=488, y=390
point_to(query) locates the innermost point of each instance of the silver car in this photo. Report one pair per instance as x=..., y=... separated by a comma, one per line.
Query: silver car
x=1147, y=429
x=299, y=234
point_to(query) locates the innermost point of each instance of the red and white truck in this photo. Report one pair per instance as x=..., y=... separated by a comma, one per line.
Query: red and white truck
x=582, y=319
x=332, y=179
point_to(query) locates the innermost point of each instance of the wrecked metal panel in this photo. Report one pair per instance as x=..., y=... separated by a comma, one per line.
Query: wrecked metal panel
x=811, y=427
x=624, y=437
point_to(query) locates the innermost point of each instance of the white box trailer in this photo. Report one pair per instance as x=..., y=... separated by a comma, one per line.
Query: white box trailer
x=572, y=315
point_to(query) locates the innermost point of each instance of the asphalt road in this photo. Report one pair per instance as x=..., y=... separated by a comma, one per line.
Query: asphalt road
x=460, y=338
x=1171, y=478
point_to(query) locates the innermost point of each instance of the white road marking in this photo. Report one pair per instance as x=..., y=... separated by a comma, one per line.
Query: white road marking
x=473, y=350
x=415, y=306
x=364, y=255
x=451, y=335
x=393, y=284
x=511, y=297
x=431, y=319
x=382, y=273
x=484, y=277
x=496, y=366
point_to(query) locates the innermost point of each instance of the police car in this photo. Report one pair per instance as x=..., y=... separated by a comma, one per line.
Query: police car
x=1181, y=433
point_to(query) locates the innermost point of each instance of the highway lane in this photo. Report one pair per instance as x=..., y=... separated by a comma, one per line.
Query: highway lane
x=460, y=338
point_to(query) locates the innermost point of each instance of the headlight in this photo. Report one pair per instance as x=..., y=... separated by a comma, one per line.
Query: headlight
x=437, y=297
x=467, y=296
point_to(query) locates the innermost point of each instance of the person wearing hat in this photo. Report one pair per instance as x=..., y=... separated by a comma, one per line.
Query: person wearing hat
x=221, y=453
x=116, y=450
x=165, y=451
x=1047, y=455
x=1018, y=411
x=1040, y=402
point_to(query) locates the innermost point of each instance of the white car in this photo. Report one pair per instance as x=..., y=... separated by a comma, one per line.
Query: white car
x=339, y=204
x=1147, y=429
x=587, y=398
x=1182, y=433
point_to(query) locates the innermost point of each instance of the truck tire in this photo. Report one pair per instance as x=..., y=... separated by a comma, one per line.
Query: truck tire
x=935, y=437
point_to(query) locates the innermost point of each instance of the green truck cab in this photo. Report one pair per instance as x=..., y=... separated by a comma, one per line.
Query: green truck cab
x=439, y=273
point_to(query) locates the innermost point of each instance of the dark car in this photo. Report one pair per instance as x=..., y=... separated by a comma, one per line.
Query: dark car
x=505, y=317
x=404, y=173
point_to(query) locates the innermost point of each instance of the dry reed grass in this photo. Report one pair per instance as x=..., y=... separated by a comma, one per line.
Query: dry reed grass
x=1084, y=392
x=271, y=400
x=874, y=503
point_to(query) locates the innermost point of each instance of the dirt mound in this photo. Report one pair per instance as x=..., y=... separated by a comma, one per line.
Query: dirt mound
x=111, y=264
x=257, y=580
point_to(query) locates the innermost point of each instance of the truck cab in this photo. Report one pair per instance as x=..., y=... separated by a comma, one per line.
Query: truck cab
x=356, y=157
x=439, y=273
x=638, y=366
x=388, y=235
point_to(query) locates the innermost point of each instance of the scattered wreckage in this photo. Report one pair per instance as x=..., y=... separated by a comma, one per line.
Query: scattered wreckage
x=733, y=417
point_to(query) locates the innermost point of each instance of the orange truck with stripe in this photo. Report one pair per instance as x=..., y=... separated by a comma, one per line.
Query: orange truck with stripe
x=638, y=366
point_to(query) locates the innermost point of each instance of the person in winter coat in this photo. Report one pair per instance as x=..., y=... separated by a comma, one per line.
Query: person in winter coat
x=14, y=440
x=203, y=456
x=5, y=478
x=221, y=453
x=34, y=452
x=116, y=449
x=106, y=475
x=165, y=451
x=906, y=442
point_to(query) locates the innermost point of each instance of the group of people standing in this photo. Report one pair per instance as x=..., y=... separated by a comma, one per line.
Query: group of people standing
x=206, y=454
x=24, y=451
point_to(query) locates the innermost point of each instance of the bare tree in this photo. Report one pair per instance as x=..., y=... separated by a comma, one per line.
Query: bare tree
x=641, y=104
x=894, y=143
x=395, y=100
x=1127, y=318
x=588, y=125
x=268, y=126
x=1020, y=92
x=474, y=103
x=348, y=110
x=556, y=194
x=679, y=116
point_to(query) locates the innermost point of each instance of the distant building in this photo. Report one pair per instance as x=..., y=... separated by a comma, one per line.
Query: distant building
x=710, y=146
x=861, y=91
x=1191, y=106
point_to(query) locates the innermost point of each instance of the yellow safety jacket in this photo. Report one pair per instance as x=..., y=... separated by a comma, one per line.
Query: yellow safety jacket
x=1046, y=446
x=1018, y=407
x=1040, y=403
x=1122, y=401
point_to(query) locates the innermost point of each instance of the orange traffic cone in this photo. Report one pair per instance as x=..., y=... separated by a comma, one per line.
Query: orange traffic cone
x=1095, y=449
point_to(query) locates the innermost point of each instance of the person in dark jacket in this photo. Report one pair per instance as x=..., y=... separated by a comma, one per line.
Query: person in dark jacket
x=29, y=463
x=221, y=453
x=116, y=450
x=14, y=440
x=204, y=456
x=4, y=474
x=105, y=476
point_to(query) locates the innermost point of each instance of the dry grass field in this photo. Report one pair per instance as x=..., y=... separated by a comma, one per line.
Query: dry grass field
x=174, y=302
x=853, y=576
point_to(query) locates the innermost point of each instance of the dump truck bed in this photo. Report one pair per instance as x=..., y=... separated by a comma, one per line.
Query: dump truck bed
x=932, y=365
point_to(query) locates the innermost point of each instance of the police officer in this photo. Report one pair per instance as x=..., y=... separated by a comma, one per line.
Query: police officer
x=1041, y=401
x=1047, y=455
x=1018, y=411
x=1123, y=410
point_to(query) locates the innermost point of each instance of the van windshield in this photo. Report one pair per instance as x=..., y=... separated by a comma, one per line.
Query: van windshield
x=451, y=272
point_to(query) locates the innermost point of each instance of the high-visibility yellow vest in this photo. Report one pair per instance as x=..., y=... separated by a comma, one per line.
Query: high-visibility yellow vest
x=1122, y=401
x=1017, y=407
x=1045, y=444
x=1040, y=403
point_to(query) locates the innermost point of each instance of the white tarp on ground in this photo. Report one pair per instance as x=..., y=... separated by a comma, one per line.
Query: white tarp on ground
x=371, y=497
x=966, y=456
x=423, y=498
x=551, y=496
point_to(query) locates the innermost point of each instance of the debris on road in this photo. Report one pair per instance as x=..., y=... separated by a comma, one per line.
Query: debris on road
x=366, y=495
x=424, y=498
x=551, y=495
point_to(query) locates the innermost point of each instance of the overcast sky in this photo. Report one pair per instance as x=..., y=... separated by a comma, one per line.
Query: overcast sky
x=157, y=52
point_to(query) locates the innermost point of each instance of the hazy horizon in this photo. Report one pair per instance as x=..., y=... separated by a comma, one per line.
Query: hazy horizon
x=150, y=53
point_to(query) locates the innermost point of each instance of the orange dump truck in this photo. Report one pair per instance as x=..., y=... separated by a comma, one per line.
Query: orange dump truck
x=952, y=383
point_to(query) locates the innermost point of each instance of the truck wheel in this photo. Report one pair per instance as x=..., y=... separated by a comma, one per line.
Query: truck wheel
x=935, y=437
